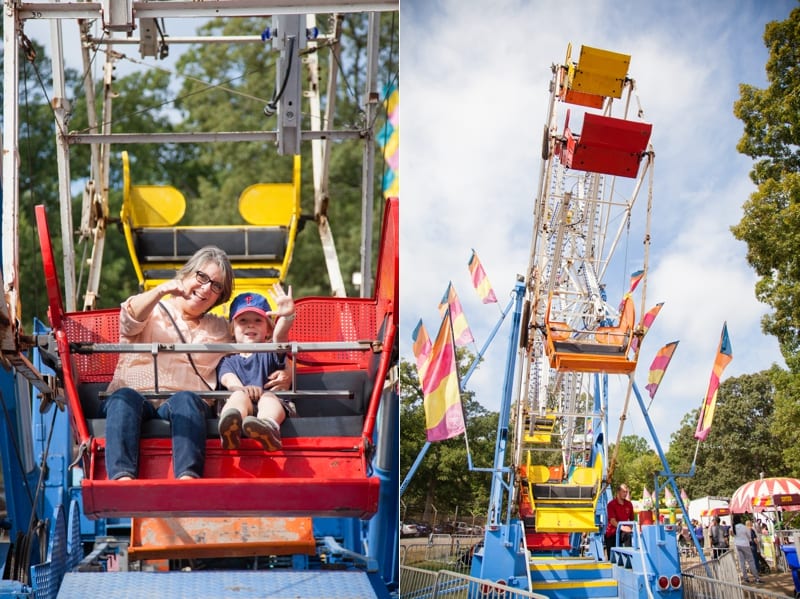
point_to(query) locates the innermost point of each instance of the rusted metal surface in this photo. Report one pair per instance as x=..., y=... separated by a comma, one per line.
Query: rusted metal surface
x=154, y=538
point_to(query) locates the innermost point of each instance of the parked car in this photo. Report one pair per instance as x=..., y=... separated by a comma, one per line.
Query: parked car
x=423, y=530
x=443, y=528
x=408, y=530
x=462, y=528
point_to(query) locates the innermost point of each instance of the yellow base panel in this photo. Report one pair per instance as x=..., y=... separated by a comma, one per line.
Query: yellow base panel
x=565, y=520
x=574, y=584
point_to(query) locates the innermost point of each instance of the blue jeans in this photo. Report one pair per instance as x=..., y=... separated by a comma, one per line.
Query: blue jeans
x=125, y=411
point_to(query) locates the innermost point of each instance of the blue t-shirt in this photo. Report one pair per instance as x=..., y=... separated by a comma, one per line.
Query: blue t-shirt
x=253, y=369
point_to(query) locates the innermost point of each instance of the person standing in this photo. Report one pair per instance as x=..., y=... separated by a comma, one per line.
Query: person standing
x=620, y=509
x=741, y=540
x=719, y=540
x=698, y=532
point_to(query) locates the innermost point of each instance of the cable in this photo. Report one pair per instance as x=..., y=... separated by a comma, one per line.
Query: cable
x=272, y=106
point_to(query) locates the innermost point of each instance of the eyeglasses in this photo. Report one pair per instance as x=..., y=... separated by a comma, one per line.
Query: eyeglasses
x=204, y=279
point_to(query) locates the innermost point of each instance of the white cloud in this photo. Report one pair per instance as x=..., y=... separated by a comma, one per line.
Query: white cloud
x=474, y=99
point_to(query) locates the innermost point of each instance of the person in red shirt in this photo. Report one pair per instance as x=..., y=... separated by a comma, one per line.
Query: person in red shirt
x=620, y=509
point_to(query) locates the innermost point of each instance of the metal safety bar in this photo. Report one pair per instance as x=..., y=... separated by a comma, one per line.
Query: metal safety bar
x=82, y=347
x=291, y=348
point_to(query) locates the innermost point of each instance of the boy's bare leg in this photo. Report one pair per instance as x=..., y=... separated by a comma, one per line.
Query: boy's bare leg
x=266, y=428
x=233, y=412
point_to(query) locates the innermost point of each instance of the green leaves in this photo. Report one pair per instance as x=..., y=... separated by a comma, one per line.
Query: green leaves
x=770, y=225
x=748, y=437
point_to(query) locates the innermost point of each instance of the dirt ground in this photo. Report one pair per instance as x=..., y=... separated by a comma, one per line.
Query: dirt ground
x=779, y=582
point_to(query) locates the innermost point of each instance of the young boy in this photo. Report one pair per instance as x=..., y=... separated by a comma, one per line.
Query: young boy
x=248, y=375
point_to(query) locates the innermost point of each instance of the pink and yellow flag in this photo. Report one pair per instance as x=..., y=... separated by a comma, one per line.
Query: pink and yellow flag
x=421, y=346
x=444, y=416
x=724, y=356
x=480, y=281
x=647, y=322
x=659, y=367
x=461, y=331
x=636, y=278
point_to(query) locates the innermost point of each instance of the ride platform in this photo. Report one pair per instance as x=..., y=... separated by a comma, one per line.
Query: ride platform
x=567, y=578
x=275, y=584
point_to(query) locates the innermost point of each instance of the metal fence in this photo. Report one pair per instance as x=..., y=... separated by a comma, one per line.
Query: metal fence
x=440, y=567
x=440, y=552
x=719, y=579
x=416, y=583
x=701, y=587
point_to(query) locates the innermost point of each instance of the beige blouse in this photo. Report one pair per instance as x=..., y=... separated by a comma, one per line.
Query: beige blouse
x=175, y=373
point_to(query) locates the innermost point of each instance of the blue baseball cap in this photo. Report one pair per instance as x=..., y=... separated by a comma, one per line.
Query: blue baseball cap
x=249, y=302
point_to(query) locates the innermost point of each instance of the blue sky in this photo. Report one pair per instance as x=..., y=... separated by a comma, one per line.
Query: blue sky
x=474, y=92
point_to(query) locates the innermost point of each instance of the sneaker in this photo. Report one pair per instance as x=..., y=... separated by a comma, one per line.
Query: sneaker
x=230, y=428
x=266, y=432
x=759, y=581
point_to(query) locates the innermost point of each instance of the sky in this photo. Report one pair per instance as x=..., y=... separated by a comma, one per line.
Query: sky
x=474, y=93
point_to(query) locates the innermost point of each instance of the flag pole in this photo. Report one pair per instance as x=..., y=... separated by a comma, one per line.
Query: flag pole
x=477, y=360
x=475, y=364
x=462, y=387
x=413, y=470
x=694, y=459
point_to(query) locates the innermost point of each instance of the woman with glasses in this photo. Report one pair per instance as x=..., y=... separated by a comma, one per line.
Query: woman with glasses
x=176, y=311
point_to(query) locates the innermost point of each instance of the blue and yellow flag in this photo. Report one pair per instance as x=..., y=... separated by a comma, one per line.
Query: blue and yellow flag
x=388, y=139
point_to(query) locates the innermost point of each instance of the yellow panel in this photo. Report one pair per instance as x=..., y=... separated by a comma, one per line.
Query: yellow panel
x=538, y=473
x=538, y=438
x=149, y=205
x=267, y=204
x=156, y=205
x=601, y=72
x=272, y=204
x=583, y=476
x=577, y=519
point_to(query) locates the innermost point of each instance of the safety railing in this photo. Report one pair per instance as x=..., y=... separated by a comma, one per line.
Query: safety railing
x=454, y=555
x=416, y=583
x=719, y=579
x=702, y=587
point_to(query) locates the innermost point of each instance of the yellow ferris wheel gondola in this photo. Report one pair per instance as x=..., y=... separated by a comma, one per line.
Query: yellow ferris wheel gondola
x=260, y=250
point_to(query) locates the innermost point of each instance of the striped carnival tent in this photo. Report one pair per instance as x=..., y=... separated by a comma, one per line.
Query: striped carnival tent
x=767, y=494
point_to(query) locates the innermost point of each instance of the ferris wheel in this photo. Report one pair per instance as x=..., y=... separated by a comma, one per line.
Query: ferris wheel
x=580, y=313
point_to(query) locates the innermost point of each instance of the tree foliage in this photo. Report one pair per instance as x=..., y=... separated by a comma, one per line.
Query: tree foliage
x=771, y=222
x=217, y=87
x=636, y=465
x=742, y=443
x=443, y=480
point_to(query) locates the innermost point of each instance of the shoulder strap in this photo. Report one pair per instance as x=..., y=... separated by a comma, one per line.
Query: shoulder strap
x=183, y=340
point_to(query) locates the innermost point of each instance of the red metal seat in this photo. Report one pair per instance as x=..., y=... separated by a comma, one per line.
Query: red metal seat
x=607, y=145
x=318, y=476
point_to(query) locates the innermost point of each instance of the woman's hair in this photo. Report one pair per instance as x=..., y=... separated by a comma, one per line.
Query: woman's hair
x=210, y=253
